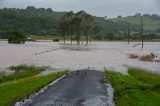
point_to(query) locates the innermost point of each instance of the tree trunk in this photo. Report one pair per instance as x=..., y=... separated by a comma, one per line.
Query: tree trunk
x=71, y=39
x=77, y=39
x=142, y=30
x=90, y=40
x=128, y=34
x=64, y=38
x=86, y=38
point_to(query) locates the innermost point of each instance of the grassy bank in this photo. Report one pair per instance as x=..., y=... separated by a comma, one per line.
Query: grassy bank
x=50, y=37
x=21, y=88
x=139, y=88
x=45, y=37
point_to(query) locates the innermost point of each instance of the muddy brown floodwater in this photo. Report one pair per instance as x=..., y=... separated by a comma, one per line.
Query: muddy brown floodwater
x=98, y=55
x=86, y=90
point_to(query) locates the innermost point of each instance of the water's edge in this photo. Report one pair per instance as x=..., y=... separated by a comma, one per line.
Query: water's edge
x=29, y=100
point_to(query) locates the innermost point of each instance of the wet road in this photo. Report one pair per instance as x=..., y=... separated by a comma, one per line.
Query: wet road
x=79, y=88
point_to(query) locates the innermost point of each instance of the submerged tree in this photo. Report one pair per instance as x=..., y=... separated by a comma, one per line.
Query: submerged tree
x=88, y=26
x=77, y=28
x=63, y=27
x=70, y=24
x=79, y=24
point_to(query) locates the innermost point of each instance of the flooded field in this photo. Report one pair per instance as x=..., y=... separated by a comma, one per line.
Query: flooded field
x=98, y=55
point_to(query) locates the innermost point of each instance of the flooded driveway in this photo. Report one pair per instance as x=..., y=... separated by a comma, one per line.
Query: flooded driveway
x=79, y=88
x=97, y=55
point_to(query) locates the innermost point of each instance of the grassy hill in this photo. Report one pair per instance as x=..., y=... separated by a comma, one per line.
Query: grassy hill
x=149, y=24
x=42, y=22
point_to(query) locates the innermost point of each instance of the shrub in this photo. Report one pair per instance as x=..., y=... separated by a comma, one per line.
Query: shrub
x=16, y=37
x=55, y=40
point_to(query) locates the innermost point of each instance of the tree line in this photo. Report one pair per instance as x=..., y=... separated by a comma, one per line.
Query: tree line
x=42, y=21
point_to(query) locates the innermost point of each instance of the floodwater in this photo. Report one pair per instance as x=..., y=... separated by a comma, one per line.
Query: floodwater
x=98, y=55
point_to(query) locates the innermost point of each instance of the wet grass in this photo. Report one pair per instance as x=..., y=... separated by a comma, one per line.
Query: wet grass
x=21, y=71
x=146, y=58
x=21, y=88
x=133, y=56
x=142, y=58
x=138, y=88
x=44, y=37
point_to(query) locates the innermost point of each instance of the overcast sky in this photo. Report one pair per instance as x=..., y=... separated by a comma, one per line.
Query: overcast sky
x=110, y=8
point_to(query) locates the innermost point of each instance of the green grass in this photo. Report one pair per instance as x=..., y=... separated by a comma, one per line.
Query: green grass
x=45, y=37
x=133, y=56
x=148, y=23
x=19, y=89
x=21, y=71
x=139, y=88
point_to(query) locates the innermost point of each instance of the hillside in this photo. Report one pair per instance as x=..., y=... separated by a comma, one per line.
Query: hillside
x=30, y=21
x=150, y=23
x=41, y=21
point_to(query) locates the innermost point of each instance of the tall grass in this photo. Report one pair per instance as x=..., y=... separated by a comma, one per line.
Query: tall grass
x=142, y=57
x=139, y=88
x=12, y=92
x=146, y=58
x=133, y=56
x=23, y=83
x=21, y=71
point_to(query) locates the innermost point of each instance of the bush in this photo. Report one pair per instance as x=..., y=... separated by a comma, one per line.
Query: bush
x=110, y=36
x=16, y=37
x=55, y=40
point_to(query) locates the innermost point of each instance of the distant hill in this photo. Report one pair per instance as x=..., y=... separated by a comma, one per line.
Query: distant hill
x=41, y=21
x=151, y=22
x=30, y=21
